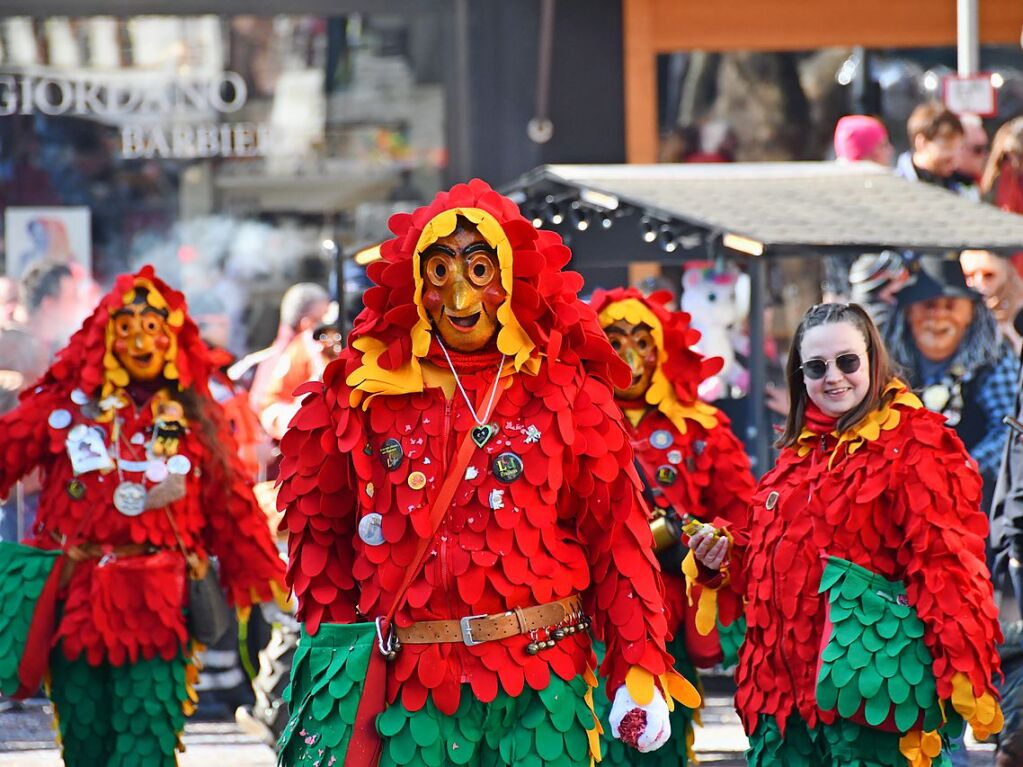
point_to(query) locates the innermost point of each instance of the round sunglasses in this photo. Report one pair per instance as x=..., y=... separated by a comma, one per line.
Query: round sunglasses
x=815, y=369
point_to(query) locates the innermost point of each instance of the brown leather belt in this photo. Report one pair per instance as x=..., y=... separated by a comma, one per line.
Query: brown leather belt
x=476, y=629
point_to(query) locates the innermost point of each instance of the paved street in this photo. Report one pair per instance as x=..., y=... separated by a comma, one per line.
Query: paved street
x=26, y=740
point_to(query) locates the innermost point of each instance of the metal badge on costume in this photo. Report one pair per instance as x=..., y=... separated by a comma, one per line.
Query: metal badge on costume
x=391, y=454
x=507, y=467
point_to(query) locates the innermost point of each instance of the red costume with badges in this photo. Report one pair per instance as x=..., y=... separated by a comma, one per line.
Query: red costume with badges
x=692, y=461
x=132, y=472
x=548, y=507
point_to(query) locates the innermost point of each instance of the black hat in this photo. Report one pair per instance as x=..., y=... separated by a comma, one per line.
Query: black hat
x=935, y=277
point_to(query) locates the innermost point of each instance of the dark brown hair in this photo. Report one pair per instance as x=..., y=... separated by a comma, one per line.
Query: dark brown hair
x=931, y=120
x=881, y=369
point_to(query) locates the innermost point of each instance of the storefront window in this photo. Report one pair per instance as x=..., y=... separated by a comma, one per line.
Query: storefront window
x=236, y=153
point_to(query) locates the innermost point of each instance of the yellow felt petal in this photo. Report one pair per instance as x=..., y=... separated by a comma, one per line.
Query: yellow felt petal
x=592, y=733
x=962, y=695
x=691, y=571
x=640, y=684
x=986, y=708
x=930, y=744
x=676, y=686
x=706, y=612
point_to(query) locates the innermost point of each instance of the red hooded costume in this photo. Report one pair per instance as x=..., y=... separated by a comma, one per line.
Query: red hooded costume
x=122, y=614
x=570, y=522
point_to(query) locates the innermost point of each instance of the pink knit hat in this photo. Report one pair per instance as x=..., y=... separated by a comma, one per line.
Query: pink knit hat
x=856, y=136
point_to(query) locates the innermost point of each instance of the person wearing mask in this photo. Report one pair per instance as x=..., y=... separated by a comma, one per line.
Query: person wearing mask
x=693, y=467
x=947, y=343
x=935, y=141
x=871, y=624
x=862, y=137
x=140, y=487
x=471, y=415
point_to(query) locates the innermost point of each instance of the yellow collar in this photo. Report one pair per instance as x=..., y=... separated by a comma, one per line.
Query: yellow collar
x=867, y=430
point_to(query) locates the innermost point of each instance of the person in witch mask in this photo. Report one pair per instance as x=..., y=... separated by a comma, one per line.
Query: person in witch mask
x=462, y=478
x=947, y=343
x=694, y=469
x=140, y=484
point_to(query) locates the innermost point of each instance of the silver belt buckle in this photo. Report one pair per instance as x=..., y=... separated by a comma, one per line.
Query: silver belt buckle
x=466, y=630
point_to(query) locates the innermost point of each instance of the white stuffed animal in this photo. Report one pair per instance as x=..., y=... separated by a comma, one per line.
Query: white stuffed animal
x=718, y=302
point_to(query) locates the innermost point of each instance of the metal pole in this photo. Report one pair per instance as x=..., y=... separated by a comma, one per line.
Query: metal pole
x=968, y=36
x=758, y=430
x=339, y=286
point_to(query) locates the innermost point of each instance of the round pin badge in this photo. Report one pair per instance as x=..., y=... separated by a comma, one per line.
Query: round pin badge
x=666, y=474
x=178, y=464
x=772, y=500
x=662, y=439
x=156, y=471
x=76, y=489
x=507, y=467
x=417, y=480
x=391, y=454
x=59, y=419
x=675, y=457
x=370, y=530
x=79, y=397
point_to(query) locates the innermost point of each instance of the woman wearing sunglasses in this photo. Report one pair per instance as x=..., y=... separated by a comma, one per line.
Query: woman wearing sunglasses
x=871, y=623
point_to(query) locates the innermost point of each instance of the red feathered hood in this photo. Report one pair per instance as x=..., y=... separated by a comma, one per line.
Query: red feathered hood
x=542, y=316
x=87, y=363
x=680, y=368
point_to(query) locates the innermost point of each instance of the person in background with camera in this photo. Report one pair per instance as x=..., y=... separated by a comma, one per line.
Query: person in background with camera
x=141, y=485
x=871, y=625
x=693, y=468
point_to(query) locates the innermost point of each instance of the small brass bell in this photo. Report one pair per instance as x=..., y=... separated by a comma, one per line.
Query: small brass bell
x=532, y=648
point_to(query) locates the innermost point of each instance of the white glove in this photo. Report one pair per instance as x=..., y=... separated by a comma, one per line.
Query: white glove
x=658, y=728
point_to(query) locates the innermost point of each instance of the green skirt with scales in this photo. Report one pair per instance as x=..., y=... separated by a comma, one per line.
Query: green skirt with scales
x=543, y=728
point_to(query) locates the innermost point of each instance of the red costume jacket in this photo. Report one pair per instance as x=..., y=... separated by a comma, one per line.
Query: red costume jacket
x=132, y=607
x=570, y=523
x=897, y=495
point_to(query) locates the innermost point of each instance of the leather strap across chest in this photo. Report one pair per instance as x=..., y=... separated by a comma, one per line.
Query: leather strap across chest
x=475, y=629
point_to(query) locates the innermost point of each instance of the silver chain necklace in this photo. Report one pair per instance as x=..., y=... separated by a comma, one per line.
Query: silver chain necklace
x=493, y=392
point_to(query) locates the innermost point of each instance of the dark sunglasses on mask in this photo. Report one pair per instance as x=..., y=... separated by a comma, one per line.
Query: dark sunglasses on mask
x=815, y=369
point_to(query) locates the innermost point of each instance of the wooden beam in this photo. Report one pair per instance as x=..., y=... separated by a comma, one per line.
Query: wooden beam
x=640, y=76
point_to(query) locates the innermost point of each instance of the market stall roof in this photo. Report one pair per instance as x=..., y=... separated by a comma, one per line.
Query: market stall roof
x=779, y=209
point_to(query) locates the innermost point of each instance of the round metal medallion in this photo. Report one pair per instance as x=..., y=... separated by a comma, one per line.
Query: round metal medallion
x=59, y=419
x=179, y=464
x=130, y=498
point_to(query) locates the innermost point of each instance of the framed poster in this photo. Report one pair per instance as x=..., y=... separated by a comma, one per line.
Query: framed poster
x=60, y=234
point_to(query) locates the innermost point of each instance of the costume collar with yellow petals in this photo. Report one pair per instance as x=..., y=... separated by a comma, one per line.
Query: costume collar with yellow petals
x=661, y=393
x=371, y=378
x=885, y=418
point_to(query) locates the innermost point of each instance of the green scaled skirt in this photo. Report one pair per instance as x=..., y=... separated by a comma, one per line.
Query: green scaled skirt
x=23, y=573
x=875, y=668
x=327, y=676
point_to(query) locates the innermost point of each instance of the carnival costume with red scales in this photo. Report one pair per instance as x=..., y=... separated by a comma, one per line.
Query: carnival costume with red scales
x=547, y=508
x=137, y=463
x=895, y=495
x=694, y=467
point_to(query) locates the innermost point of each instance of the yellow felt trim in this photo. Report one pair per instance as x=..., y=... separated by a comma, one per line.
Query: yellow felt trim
x=661, y=393
x=370, y=379
x=707, y=605
x=673, y=686
x=867, y=430
x=983, y=713
x=592, y=733
x=920, y=748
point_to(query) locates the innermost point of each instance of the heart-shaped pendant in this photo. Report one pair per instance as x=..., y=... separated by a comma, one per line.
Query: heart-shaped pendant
x=481, y=435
